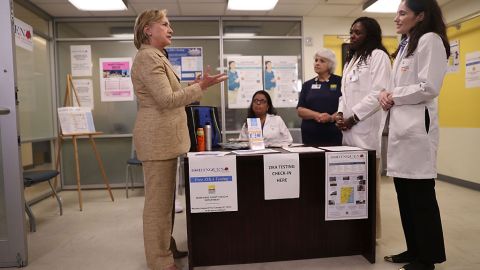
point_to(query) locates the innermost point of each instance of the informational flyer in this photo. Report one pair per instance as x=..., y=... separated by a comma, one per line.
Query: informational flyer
x=23, y=34
x=115, y=79
x=280, y=75
x=81, y=60
x=187, y=61
x=244, y=79
x=255, y=134
x=281, y=176
x=84, y=89
x=213, y=184
x=75, y=120
x=454, y=59
x=346, y=185
x=472, y=70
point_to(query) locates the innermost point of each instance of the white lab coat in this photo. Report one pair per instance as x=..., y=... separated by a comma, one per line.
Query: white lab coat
x=361, y=84
x=415, y=84
x=275, y=131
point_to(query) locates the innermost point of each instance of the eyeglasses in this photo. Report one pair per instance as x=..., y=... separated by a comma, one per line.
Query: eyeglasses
x=259, y=101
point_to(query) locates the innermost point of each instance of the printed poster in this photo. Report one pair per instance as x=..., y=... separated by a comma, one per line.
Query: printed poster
x=187, y=62
x=84, y=89
x=23, y=34
x=115, y=79
x=213, y=184
x=454, y=59
x=472, y=70
x=81, y=60
x=346, y=185
x=280, y=78
x=281, y=176
x=244, y=79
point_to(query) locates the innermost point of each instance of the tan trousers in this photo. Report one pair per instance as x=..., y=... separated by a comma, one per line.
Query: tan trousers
x=377, y=205
x=157, y=212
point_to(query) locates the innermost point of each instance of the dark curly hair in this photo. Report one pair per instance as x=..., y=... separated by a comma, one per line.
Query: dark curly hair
x=432, y=22
x=373, y=39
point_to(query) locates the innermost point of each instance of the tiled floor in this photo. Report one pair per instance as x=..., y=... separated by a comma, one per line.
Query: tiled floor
x=108, y=235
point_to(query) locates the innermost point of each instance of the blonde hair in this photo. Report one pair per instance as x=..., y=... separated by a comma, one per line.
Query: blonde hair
x=145, y=19
x=329, y=55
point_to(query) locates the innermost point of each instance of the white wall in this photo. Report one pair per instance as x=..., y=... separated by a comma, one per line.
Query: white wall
x=317, y=27
x=458, y=153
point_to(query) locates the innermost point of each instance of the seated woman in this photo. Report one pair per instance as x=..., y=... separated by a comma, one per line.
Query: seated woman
x=275, y=132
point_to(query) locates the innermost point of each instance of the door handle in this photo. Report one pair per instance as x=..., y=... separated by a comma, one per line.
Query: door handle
x=4, y=111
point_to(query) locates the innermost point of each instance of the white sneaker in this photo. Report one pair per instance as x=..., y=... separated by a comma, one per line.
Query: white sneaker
x=178, y=207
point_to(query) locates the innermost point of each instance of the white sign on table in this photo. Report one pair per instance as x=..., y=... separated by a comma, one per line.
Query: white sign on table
x=255, y=134
x=346, y=185
x=281, y=175
x=213, y=184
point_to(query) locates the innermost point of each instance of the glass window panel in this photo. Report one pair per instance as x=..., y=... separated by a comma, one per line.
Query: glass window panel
x=236, y=117
x=109, y=117
x=122, y=28
x=114, y=153
x=194, y=28
x=39, y=24
x=94, y=29
x=34, y=90
x=263, y=28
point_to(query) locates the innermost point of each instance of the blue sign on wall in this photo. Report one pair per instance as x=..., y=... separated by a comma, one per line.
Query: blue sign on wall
x=187, y=61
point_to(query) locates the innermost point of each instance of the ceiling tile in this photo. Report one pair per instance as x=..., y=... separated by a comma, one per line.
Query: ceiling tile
x=172, y=9
x=157, y=2
x=63, y=10
x=201, y=2
x=128, y=12
x=291, y=10
x=301, y=2
x=331, y=10
x=191, y=9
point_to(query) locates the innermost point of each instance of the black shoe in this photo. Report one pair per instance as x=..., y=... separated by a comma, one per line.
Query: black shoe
x=418, y=266
x=403, y=257
x=177, y=254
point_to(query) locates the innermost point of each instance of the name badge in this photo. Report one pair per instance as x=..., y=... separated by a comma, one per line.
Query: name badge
x=316, y=86
x=405, y=65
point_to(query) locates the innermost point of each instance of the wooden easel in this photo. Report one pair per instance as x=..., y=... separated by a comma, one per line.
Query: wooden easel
x=67, y=102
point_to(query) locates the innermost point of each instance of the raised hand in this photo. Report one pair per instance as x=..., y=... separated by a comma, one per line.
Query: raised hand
x=208, y=80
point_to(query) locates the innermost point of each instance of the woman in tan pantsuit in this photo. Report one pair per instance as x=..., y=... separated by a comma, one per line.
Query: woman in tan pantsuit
x=160, y=134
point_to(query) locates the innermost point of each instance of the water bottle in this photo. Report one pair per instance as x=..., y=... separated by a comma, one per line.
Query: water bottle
x=200, y=140
x=207, y=129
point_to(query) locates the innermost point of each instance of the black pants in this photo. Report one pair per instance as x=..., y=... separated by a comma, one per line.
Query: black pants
x=421, y=221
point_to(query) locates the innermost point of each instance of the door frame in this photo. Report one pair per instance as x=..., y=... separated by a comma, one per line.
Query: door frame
x=13, y=249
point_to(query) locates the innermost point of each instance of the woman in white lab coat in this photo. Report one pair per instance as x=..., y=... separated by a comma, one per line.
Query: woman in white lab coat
x=275, y=132
x=366, y=72
x=410, y=107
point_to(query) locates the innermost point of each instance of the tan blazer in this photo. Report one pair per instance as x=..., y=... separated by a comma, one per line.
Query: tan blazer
x=160, y=130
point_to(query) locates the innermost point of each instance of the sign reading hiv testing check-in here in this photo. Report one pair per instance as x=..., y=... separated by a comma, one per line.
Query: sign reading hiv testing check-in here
x=213, y=184
x=281, y=176
x=346, y=185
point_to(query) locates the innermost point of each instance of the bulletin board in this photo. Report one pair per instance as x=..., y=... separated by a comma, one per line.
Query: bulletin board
x=335, y=42
x=459, y=107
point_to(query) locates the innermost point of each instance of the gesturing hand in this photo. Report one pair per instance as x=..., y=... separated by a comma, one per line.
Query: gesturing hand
x=208, y=80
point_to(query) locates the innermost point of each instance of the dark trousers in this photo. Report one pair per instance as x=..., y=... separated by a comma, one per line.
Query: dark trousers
x=421, y=221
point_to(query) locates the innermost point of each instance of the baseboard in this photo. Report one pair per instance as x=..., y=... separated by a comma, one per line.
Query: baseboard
x=459, y=182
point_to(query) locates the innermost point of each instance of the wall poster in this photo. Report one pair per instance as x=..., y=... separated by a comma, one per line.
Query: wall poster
x=280, y=75
x=115, y=79
x=187, y=61
x=244, y=79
